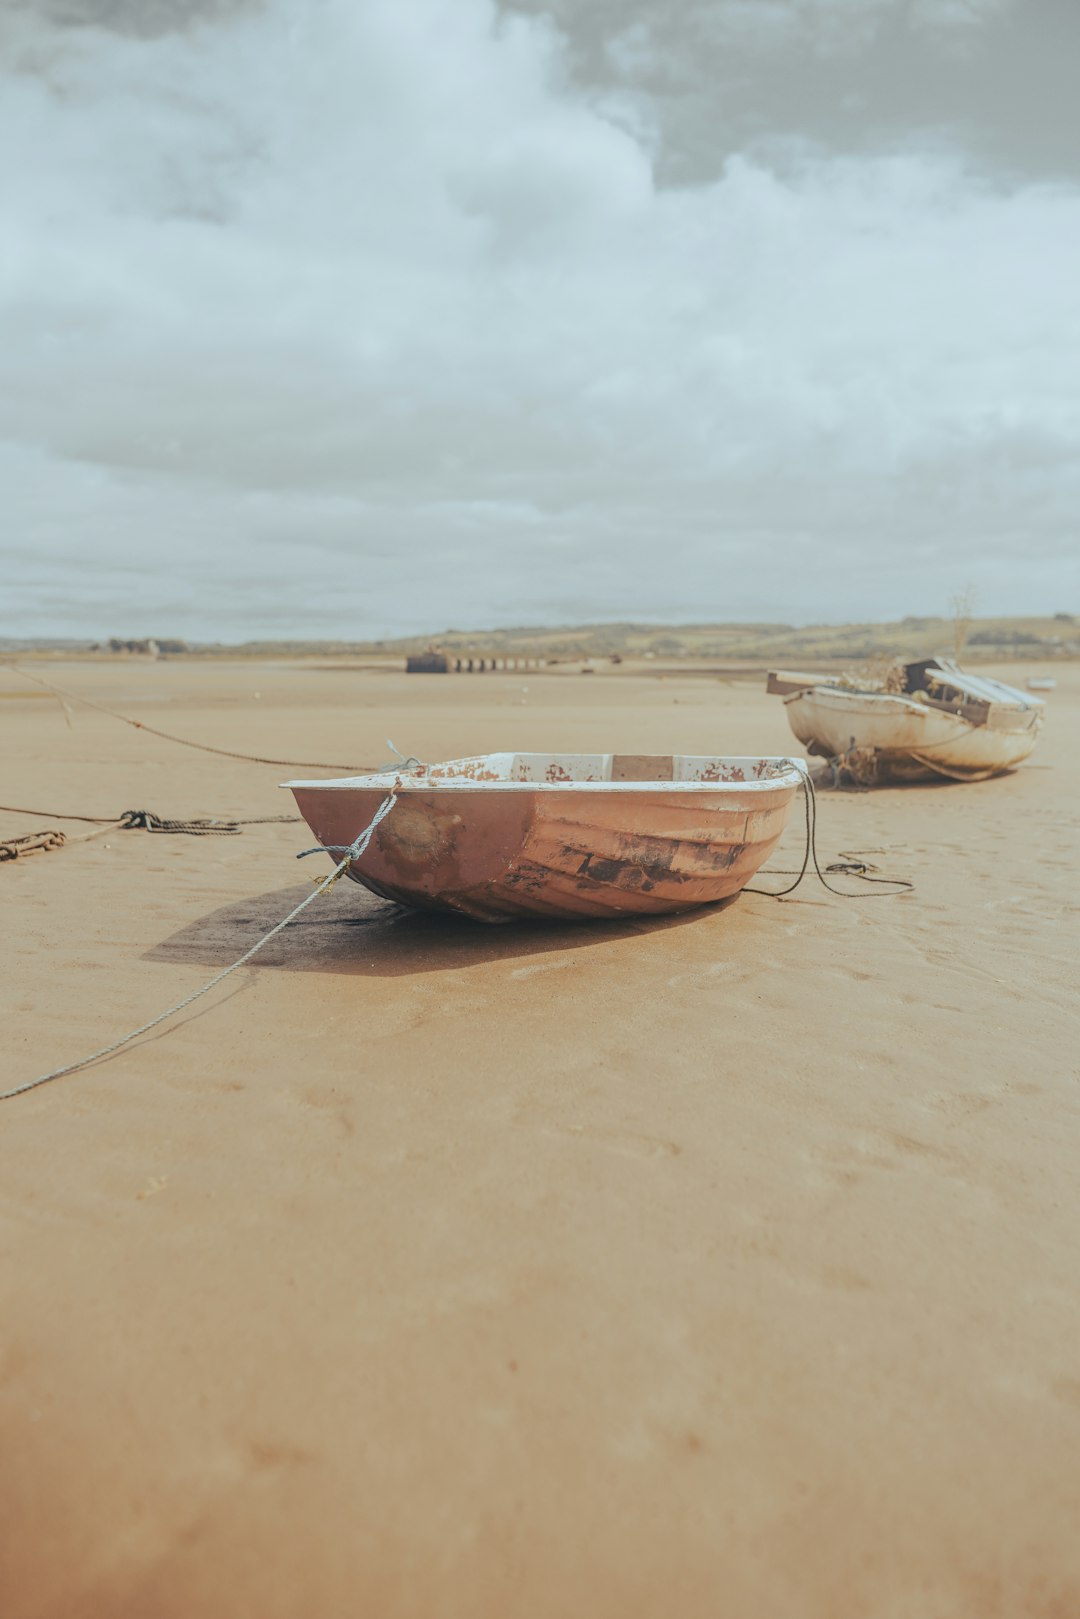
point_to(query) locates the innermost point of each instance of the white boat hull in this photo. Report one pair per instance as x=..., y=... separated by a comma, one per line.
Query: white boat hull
x=910, y=739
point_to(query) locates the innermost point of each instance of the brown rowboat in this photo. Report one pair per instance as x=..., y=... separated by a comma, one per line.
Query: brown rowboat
x=509, y=835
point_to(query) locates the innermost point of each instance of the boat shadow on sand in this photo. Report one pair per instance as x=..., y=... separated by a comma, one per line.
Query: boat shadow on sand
x=355, y=933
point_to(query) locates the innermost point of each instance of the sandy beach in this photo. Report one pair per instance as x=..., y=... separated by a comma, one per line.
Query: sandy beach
x=717, y=1265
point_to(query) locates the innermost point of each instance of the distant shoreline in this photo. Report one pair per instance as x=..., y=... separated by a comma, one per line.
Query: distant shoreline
x=736, y=648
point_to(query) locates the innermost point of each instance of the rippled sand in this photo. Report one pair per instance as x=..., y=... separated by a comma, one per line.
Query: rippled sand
x=724, y=1265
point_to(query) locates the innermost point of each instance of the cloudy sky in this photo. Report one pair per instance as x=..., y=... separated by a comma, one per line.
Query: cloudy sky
x=342, y=317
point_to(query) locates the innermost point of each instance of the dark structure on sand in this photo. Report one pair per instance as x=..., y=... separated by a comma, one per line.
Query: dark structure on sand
x=439, y=663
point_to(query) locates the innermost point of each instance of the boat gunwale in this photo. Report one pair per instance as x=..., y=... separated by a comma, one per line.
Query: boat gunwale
x=905, y=702
x=890, y=702
x=397, y=782
x=1004, y=719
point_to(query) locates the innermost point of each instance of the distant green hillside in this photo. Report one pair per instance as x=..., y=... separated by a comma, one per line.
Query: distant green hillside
x=987, y=638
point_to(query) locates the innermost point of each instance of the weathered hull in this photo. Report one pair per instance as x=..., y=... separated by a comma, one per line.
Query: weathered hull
x=497, y=855
x=909, y=739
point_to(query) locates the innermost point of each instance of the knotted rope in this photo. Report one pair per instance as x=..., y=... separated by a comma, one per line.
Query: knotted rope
x=147, y=821
x=354, y=851
x=33, y=843
x=130, y=820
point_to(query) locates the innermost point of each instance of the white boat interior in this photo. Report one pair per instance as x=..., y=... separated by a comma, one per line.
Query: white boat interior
x=935, y=682
x=607, y=772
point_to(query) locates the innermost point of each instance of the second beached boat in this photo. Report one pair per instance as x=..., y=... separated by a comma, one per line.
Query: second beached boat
x=931, y=719
x=509, y=835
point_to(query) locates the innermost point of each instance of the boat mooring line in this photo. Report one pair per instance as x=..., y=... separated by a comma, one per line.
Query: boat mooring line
x=132, y=820
x=850, y=867
x=354, y=851
x=182, y=741
x=56, y=815
x=147, y=821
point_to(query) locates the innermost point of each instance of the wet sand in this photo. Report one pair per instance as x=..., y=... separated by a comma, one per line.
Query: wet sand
x=718, y=1265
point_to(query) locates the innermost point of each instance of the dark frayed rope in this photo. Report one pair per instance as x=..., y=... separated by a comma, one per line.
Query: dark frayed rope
x=354, y=852
x=131, y=820
x=848, y=867
x=147, y=821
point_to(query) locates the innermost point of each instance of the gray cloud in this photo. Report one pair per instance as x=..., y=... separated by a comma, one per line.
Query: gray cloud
x=714, y=77
x=349, y=319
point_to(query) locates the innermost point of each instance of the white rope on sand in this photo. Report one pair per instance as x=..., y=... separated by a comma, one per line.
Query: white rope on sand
x=353, y=852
